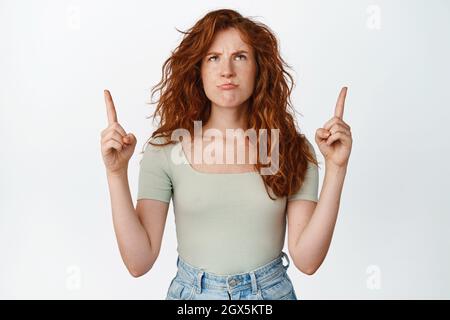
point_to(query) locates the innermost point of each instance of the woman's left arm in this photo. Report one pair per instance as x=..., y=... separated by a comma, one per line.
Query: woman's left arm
x=311, y=225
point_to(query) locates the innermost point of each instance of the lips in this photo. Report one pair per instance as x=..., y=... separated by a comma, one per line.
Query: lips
x=228, y=86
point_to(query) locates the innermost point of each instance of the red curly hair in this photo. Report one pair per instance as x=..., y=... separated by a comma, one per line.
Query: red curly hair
x=182, y=99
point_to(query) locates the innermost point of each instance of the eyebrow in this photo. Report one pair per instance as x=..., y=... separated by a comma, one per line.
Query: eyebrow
x=218, y=54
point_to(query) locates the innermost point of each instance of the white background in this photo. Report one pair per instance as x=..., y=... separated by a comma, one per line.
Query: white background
x=56, y=57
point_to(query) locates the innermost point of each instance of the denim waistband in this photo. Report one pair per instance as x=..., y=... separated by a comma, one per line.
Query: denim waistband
x=199, y=278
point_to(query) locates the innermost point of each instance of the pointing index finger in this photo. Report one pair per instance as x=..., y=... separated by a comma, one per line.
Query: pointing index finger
x=339, y=111
x=110, y=109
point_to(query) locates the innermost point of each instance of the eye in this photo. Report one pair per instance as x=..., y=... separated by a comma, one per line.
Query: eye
x=241, y=57
x=209, y=59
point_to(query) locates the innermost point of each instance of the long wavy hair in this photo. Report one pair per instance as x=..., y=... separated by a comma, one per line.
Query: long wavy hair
x=182, y=99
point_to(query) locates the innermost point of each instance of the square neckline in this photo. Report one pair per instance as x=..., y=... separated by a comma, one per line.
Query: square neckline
x=191, y=168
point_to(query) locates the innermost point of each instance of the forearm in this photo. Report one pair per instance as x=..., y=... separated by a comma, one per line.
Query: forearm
x=132, y=238
x=314, y=242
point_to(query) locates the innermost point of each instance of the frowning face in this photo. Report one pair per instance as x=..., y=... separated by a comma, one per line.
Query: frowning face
x=228, y=70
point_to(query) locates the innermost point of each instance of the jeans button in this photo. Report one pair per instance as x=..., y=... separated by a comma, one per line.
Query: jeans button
x=232, y=282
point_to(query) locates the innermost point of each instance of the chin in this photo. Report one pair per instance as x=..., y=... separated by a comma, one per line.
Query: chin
x=228, y=104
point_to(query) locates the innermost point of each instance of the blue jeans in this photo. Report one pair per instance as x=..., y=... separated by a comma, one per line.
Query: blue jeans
x=269, y=282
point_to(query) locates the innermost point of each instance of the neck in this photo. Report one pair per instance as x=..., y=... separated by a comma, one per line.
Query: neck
x=222, y=118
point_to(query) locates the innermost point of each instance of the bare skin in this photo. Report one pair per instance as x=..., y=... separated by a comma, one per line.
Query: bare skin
x=139, y=230
x=310, y=224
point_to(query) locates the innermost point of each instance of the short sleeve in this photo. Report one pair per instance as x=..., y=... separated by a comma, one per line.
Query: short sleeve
x=310, y=187
x=154, y=175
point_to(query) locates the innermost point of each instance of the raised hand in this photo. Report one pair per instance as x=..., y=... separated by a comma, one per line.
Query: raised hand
x=117, y=146
x=335, y=138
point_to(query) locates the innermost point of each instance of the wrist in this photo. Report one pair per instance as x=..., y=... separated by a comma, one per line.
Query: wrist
x=123, y=173
x=335, y=168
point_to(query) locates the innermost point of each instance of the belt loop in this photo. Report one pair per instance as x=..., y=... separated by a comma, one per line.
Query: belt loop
x=254, y=284
x=198, y=284
x=287, y=259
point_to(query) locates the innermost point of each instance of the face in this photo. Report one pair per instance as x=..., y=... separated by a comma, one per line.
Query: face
x=229, y=61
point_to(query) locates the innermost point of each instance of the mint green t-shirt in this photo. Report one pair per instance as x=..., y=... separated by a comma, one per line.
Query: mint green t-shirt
x=225, y=222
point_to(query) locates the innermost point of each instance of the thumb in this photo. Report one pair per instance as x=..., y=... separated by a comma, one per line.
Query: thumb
x=130, y=139
x=322, y=134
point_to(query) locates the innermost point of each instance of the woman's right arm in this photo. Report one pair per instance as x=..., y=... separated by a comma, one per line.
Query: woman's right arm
x=132, y=238
x=138, y=231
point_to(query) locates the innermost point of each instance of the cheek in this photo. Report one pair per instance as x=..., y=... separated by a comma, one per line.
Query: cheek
x=249, y=74
x=209, y=84
x=207, y=78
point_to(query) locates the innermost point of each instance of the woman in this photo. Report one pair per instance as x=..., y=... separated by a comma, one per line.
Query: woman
x=230, y=218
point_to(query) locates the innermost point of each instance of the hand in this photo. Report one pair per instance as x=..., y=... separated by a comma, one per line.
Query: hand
x=335, y=139
x=117, y=146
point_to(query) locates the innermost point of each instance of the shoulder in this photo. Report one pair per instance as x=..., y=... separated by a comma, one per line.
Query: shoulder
x=155, y=149
x=156, y=156
x=158, y=140
x=157, y=144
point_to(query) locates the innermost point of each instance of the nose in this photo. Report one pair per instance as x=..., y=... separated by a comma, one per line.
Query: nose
x=227, y=69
